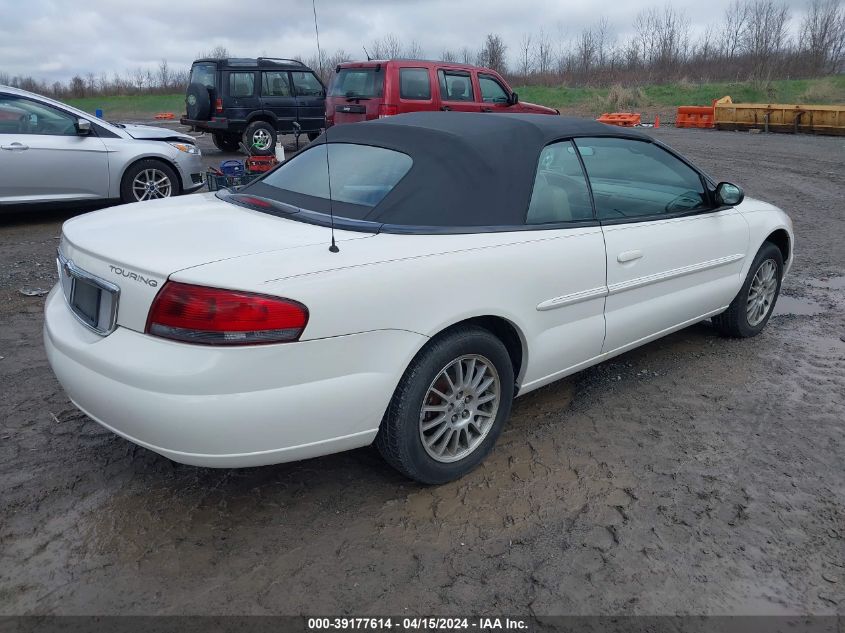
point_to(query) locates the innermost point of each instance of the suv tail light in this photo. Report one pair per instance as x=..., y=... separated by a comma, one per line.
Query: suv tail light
x=212, y=316
x=387, y=109
x=218, y=106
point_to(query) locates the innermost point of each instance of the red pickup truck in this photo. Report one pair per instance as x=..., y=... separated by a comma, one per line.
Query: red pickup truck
x=361, y=91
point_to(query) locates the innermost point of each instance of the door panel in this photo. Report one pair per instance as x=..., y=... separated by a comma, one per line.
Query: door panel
x=53, y=168
x=278, y=99
x=457, y=91
x=43, y=158
x=310, y=100
x=416, y=93
x=667, y=272
x=242, y=89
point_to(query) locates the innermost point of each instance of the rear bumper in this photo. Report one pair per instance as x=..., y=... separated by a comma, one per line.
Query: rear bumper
x=231, y=407
x=217, y=125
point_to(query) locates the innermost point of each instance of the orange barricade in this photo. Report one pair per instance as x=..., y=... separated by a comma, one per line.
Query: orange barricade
x=623, y=119
x=164, y=115
x=695, y=116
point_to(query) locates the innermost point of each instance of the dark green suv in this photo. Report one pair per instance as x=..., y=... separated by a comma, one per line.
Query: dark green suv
x=251, y=100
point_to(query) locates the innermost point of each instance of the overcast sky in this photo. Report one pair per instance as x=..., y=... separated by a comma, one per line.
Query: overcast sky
x=55, y=39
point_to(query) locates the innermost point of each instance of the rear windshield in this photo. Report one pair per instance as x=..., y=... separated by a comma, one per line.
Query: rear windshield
x=364, y=83
x=203, y=74
x=361, y=176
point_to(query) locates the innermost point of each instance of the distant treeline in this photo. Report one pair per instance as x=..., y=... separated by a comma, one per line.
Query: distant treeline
x=754, y=41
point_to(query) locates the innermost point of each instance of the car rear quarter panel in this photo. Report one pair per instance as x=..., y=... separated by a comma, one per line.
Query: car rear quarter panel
x=425, y=283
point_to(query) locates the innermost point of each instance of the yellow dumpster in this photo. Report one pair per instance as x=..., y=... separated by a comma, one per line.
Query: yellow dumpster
x=779, y=117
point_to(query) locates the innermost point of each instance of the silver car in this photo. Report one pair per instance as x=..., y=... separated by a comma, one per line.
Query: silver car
x=51, y=152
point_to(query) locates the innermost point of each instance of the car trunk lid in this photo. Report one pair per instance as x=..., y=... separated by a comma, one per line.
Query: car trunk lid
x=138, y=246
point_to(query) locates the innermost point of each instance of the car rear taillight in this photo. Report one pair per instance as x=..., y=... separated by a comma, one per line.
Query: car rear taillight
x=218, y=106
x=387, y=109
x=212, y=316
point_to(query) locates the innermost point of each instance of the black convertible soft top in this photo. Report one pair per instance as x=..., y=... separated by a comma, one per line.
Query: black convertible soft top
x=469, y=169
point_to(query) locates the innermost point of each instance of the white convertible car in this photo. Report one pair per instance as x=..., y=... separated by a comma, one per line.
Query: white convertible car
x=476, y=257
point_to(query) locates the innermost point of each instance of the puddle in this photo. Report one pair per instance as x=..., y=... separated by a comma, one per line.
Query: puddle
x=833, y=283
x=797, y=306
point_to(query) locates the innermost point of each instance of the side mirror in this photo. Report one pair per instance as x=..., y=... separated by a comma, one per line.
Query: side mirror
x=728, y=194
x=513, y=99
x=83, y=127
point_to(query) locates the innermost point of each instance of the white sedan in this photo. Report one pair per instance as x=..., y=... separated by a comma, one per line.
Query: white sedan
x=473, y=258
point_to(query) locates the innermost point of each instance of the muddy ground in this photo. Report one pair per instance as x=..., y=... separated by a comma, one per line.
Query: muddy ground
x=694, y=475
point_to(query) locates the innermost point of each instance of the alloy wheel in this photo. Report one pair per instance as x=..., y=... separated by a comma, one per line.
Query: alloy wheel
x=459, y=408
x=261, y=139
x=762, y=292
x=150, y=184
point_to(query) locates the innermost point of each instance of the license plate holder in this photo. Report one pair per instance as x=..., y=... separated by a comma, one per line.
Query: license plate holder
x=93, y=301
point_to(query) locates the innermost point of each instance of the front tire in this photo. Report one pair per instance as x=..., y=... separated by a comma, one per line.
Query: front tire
x=260, y=138
x=449, y=407
x=752, y=307
x=148, y=179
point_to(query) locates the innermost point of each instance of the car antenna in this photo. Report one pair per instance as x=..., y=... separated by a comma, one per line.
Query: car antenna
x=333, y=248
x=367, y=54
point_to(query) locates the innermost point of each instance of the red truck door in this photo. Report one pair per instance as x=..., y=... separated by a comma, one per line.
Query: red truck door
x=457, y=91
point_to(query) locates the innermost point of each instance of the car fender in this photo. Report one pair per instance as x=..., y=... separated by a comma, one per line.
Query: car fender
x=764, y=219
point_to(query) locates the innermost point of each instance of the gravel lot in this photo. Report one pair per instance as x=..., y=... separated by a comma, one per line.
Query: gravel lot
x=694, y=475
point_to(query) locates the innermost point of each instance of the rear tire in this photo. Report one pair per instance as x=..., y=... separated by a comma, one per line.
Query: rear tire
x=449, y=407
x=752, y=307
x=133, y=186
x=260, y=138
x=226, y=142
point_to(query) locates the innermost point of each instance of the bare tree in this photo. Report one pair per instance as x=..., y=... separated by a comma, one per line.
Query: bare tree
x=525, y=62
x=77, y=86
x=448, y=56
x=543, y=53
x=765, y=36
x=466, y=55
x=823, y=35
x=492, y=54
x=218, y=52
x=387, y=47
x=733, y=29
x=163, y=75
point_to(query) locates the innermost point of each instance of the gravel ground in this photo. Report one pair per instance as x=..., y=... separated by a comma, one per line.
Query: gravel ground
x=694, y=475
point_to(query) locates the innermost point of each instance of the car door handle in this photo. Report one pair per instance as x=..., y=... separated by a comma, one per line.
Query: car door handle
x=445, y=108
x=15, y=146
x=628, y=256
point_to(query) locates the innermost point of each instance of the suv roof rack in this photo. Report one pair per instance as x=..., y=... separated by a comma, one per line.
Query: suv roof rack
x=281, y=59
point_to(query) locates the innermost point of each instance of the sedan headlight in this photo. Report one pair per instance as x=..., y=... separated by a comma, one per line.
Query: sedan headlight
x=188, y=148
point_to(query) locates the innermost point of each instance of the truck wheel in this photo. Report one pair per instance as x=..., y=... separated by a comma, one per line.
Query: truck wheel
x=260, y=138
x=226, y=142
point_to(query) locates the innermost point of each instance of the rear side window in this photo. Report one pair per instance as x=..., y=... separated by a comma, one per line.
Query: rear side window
x=360, y=174
x=275, y=84
x=633, y=179
x=414, y=83
x=491, y=90
x=241, y=84
x=365, y=83
x=560, y=188
x=455, y=85
x=204, y=74
x=306, y=84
